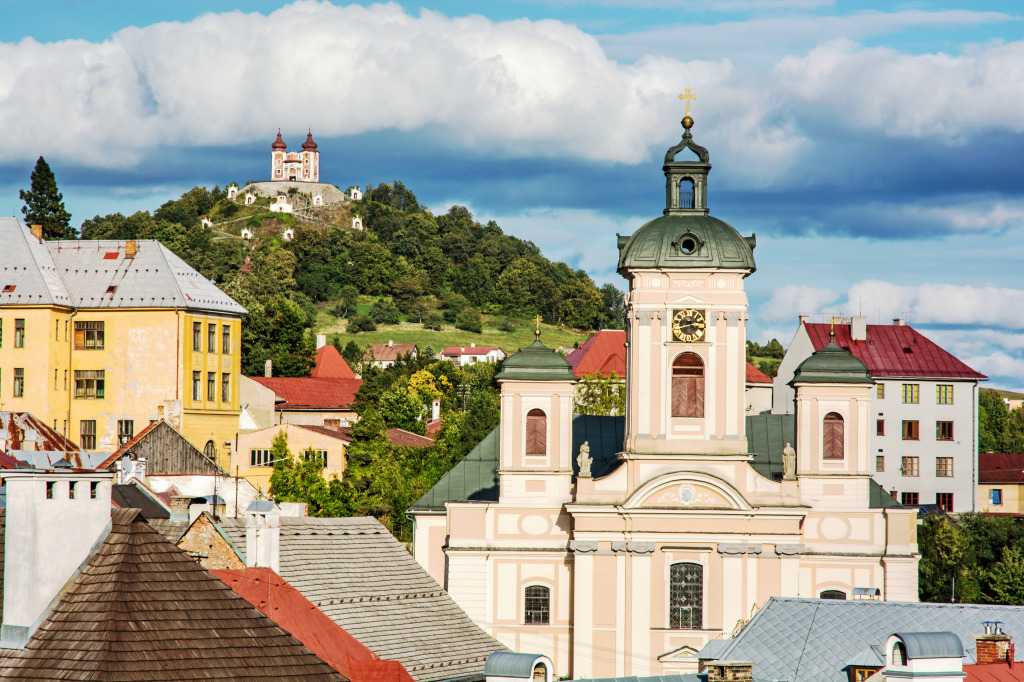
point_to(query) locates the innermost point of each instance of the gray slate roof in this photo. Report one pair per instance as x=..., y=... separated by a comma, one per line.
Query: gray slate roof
x=78, y=273
x=811, y=640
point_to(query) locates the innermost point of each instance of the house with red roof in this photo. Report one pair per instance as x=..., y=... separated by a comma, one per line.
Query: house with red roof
x=925, y=407
x=1001, y=482
x=330, y=364
x=386, y=354
x=463, y=356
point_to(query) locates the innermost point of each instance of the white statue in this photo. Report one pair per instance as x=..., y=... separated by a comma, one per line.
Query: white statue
x=584, y=460
x=789, y=463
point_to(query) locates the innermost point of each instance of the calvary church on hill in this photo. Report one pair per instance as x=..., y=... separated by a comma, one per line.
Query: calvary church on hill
x=619, y=546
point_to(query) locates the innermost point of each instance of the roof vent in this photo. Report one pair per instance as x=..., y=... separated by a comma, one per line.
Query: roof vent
x=110, y=255
x=908, y=349
x=8, y=288
x=112, y=288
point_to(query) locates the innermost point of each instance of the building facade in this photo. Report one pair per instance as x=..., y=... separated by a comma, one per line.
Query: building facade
x=98, y=338
x=302, y=166
x=924, y=441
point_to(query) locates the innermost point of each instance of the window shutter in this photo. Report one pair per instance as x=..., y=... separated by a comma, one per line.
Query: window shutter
x=832, y=437
x=696, y=391
x=536, y=433
x=679, y=401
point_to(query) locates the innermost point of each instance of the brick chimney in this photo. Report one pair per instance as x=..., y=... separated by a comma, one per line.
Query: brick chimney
x=131, y=247
x=994, y=646
x=730, y=671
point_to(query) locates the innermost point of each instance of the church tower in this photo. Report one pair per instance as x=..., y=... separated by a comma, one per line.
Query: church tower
x=686, y=318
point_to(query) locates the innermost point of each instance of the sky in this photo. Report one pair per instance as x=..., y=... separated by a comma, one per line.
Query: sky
x=875, y=148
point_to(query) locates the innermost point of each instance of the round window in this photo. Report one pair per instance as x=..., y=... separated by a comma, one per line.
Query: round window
x=688, y=245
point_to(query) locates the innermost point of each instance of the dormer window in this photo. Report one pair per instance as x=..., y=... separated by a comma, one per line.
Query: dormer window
x=899, y=653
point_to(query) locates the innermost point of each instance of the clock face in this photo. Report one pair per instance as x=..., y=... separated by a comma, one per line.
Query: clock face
x=688, y=325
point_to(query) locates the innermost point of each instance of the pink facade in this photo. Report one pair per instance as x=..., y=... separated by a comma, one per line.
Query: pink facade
x=301, y=166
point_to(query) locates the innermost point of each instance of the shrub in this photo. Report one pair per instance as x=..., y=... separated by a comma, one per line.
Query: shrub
x=433, y=320
x=385, y=312
x=470, y=320
x=507, y=324
x=361, y=323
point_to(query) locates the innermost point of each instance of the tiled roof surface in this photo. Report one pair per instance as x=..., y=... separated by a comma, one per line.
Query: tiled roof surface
x=895, y=351
x=309, y=393
x=810, y=640
x=17, y=429
x=143, y=610
x=366, y=582
x=1000, y=467
x=133, y=496
x=604, y=352
x=396, y=436
x=285, y=605
x=756, y=376
x=330, y=364
x=28, y=266
x=468, y=350
x=994, y=672
x=382, y=352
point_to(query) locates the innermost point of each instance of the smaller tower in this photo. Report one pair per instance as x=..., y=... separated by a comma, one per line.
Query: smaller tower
x=277, y=154
x=310, y=160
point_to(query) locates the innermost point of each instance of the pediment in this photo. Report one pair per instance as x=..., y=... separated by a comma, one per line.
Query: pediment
x=684, y=654
x=687, y=490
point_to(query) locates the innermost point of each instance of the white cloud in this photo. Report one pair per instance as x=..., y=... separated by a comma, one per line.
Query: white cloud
x=1005, y=369
x=941, y=304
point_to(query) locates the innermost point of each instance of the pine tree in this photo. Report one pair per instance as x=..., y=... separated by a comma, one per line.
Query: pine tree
x=44, y=205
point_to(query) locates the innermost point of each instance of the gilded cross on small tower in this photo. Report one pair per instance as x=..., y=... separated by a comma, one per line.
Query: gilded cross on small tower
x=687, y=97
x=536, y=330
x=832, y=326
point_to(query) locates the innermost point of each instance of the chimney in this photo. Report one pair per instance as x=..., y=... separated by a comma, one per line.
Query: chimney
x=898, y=322
x=54, y=523
x=263, y=535
x=994, y=646
x=472, y=345
x=390, y=343
x=37, y=231
x=804, y=319
x=730, y=671
x=435, y=409
x=196, y=510
x=859, y=328
x=321, y=341
x=131, y=247
x=268, y=368
x=179, y=507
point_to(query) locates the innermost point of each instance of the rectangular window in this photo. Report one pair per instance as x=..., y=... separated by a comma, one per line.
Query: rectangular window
x=56, y=330
x=90, y=383
x=909, y=498
x=944, y=394
x=197, y=380
x=197, y=336
x=996, y=496
x=56, y=378
x=259, y=458
x=88, y=434
x=88, y=335
x=65, y=380
x=94, y=488
x=945, y=501
x=225, y=388
x=19, y=332
x=911, y=394
x=211, y=386
x=65, y=330
x=49, y=490
x=879, y=462
x=311, y=454
x=909, y=466
x=211, y=338
x=910, y=429
x=880, y=391
x=944, y=467
x=225, y=339
x=19, y=382
x=879, y=427
x=125, y=430
x=943, y=430
x=1, y=333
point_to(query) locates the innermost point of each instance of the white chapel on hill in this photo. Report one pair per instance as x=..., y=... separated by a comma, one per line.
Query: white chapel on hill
x=619, y=546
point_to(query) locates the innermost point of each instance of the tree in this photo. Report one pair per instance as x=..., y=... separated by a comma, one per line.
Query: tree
x=384, y=312
x=600, y=395
x=470, y=320
x=433, y=320
x=44, y=205
x=360, y=323
x=353, y=354
x=349, y=299
x=1006, y=578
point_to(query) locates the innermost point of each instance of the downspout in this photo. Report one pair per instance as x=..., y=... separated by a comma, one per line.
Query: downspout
x=177, y=353
x=974, y=447
x=70, y=387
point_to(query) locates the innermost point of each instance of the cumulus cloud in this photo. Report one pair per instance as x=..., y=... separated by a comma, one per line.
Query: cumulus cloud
x=941, y=304
x=790, y=301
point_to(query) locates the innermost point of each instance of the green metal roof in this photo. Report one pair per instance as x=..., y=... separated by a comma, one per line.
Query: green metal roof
x=537, y=362
x=832, y=365
x=475, y=477
x=510, y=664
x=767, y=435
x=664, y=243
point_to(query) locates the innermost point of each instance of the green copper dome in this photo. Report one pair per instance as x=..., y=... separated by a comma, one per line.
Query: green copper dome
x=536, y=362
x=832, y=365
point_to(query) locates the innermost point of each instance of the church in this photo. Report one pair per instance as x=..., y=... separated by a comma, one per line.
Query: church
x=286, y=166
x=619, y=546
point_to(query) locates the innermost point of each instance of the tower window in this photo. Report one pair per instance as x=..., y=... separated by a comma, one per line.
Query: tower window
x=832, y=437
x=832, y=594
x=688, y=386
x=536, y=433
x=686, y=193
x=538, y=605
x=686, y=596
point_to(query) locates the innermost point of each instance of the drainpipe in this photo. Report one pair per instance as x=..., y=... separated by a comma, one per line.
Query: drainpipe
x=71, y=376
x=974, y=446
x=177, y=353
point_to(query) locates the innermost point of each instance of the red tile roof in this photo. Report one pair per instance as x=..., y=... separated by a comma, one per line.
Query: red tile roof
x=604, y=352
x=276, y=598
x=307, y=393
x=999, y=467
x=330, y=364
x=895, y=351
x=756, y=376
x=994, y=672
x=468, y=350
x=383, y=352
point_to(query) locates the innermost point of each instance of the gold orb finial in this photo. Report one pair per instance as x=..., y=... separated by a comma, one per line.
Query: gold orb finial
x=536, y=331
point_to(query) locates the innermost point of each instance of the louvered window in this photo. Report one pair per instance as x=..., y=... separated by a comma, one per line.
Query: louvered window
x=832, y=437
x=688, y=386
x=686, y=597
x=536, y=433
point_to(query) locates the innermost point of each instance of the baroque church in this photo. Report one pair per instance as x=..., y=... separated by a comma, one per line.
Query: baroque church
x=619, y=546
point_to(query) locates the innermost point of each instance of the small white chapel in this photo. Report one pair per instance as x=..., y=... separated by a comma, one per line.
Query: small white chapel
x=619, y=546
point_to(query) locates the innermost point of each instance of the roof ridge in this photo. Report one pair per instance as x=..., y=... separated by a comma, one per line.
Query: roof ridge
x=162, y=250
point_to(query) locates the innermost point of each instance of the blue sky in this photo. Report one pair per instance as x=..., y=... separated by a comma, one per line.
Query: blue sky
x=876, y=150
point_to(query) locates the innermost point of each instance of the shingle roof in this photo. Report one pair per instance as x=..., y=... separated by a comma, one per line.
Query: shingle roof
x=344, y=433
x=756, y=376
x=1000, y=467
x=306, y=393
x=810, y=640
x=604, y=352
x=143, y=610
x=330, y=364
x=383, y=352
x=133, y=496
x=895, y=351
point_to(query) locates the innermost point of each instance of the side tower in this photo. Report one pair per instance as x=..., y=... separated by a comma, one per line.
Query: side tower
x=278, y=150
x=310, y=160
x=686, y=319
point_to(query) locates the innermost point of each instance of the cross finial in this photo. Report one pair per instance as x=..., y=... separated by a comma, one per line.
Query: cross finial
x=832, y=326
x=687, y=97
x=536, y=331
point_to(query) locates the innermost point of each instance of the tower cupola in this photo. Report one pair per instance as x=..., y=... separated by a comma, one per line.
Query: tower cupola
x=309, y=144
x=279, y=142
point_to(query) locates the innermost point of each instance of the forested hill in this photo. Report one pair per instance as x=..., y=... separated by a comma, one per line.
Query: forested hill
x=421, y=262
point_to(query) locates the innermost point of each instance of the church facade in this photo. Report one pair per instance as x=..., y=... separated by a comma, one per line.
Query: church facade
x=301, y=166
x=619, y=546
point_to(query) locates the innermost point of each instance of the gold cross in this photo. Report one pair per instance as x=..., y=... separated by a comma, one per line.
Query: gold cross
x=537, y=330
x=832, y=326
x=687, y=97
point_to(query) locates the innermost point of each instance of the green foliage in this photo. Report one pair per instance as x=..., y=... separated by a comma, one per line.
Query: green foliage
x=385, y=312
x=402, y=410
x=433, y=320
x=470, y=320
x=453, y=305
x=773, y=349
x=44, y=205
x=274, y=329
x=507, y=324
x=596, y=394
x=360, y=323
x=769, y=367
x=614, y=307
x=999, y=429
x=353, y=354
x=982, y=553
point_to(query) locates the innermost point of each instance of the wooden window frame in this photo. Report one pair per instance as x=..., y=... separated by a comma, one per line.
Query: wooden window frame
x=912, y=499
x=910, y=466
x=90, y=384
x=90, y=335
x=911, y=429
x=943, y=467
x=944, y=394
x=19, y=332
x=197, y=337
x=911, y=394
x=87, y=434
x=944, y=431
x=944, y=502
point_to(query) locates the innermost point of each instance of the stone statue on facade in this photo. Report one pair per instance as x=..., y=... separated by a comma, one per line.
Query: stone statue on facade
x=584, y=460
x=789, y=463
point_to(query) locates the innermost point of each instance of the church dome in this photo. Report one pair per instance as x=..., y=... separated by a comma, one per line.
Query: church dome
x=832, y=365
x=536, y=362
x=309, y=144
x=279, y=143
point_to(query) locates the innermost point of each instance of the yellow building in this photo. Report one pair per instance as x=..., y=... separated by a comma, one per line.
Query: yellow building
x=100, y=337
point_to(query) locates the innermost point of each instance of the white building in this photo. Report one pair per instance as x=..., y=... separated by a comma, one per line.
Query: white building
x=924, y=409
x=461, y=356
x=303, y=166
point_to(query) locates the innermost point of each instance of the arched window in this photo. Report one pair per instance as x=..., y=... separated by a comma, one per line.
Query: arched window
x=686, y=193
x=540, y=673
x=832, y=437
x=210, y=450
x=832, y=594
x=899, y=653
x=536, y=433
x=688, y=386
x=686, y=597
x=538, y=605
